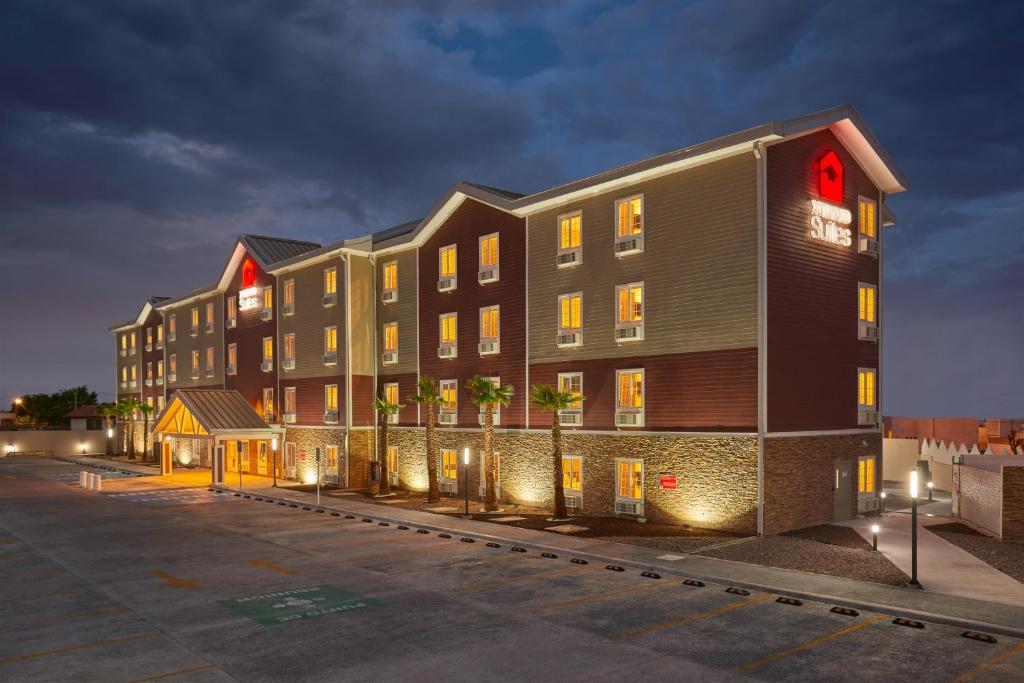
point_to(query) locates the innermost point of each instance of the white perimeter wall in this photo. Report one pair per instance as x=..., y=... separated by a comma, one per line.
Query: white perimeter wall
x=58, y=442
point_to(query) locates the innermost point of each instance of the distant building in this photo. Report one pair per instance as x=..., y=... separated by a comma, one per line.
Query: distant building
x=6, y=420
x=85, y=417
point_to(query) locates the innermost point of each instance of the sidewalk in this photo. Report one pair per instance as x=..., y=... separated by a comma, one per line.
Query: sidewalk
x=994, y=617
x=941, y=566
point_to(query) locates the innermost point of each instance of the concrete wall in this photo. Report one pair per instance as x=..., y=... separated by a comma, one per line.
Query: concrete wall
x=901, y=456
x=58, y=442
x=980, y=498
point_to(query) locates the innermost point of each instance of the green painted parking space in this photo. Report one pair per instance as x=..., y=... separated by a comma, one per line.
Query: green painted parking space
x=282, y=607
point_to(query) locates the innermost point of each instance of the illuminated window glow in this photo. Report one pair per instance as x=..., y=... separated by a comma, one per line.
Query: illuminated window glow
x=288, y=293
x=570, y=312
x=448, y=265
x=867, y=217
x=449, y=463
x=866, y=387
x=332, y=458
x=331, y=339
x=630, y=308
x=268, y=349
x=268, y=298
x=866, y=303
x=489, y=323
x=390, y=273
x=572, y=473
x=630, y=393
x=572, y=383
x=570, y=231
x=630, y=216
x=866, y=475
x=268, y=403
x=629, y=479
x=449, y=394
x=330, y=281
x=289, y=346
x=331, y=398
x=390, y=337
x=449, y=329
x=489, y=251
x=289, y=400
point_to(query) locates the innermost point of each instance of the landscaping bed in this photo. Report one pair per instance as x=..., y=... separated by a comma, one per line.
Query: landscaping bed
x=1006, y=556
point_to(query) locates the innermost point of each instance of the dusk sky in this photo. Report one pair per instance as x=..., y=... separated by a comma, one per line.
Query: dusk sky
x=137, y=139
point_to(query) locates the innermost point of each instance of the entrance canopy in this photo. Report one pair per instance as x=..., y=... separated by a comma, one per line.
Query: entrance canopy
x=211, y=413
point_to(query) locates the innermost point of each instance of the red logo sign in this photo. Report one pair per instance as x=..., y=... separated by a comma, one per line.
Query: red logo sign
x=248, y=273
x=668, y=481
x=830, y=177
x=302, y=455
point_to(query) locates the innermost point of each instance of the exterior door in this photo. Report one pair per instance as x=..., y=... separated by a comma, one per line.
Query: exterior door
x=261, y=462
x=218, y=465
x=167, y=459
x=842, y=490
x=244, y=457
x=289, y=461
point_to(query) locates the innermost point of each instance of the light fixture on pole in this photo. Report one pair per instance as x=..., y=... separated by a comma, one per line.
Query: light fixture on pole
x=914, y=583
x=465, y=476
x=238, y=449
x=318, y=477
x=931, y=486
x=874, y=537
x=882, y=495
x=273, y=457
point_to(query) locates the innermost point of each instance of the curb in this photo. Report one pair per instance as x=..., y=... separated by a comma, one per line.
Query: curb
x=890, y=610
x=99, y=467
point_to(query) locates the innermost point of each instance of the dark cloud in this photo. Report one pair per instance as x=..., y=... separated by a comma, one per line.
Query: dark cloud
x=137, y=139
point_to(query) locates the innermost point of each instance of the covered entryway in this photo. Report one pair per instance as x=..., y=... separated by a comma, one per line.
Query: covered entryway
x=216, y=431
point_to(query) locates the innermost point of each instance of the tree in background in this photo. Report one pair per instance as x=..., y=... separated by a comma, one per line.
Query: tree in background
x=1015, y=440
x=555, y=401
x=48, y=410
x=488, y=395
x=108, y=411
x=385, y=409
x=125, y=409
x=428, y=396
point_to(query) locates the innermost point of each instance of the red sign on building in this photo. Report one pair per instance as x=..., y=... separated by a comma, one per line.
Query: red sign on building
x=668, y=481
x=830, y=177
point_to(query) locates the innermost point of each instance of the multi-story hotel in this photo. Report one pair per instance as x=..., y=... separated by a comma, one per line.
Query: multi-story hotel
x=717, y=307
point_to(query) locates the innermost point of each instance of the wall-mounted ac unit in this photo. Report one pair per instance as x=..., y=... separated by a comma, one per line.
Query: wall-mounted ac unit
x=569, y=340
x=389, y=357
x=487, y=348
x=449, y=486
x=159, y=381
x=487, y=275
x=331, y=416
x=447, y=351
x=229, y=323
x=569, y=258
x=629, y=419
x=287, y=309
x=573, y=419
x=624, y=507
x=267, y=366
x=625, y=246
x=149, y=347
x=266, y=314
x=447, y=417
x=868, y=245
x=330, y=299
x=149, y=382
x=867, y=505
x=868, y=331
x=331, y=358
x=631, y=333
x=288, y=364
x=231, y=370
x=289, y=417
x=497, y=418
x=209, y=328
x=867, y=418
x=172, y=377
x=389, y=296
x=447, y=284
x=574, y=501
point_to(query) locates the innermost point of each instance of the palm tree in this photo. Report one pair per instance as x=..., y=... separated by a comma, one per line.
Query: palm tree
x=147, y=410
x=385, y=409
x=126, y=411
x=108, y=412
x=486, y=394
x=123, y=413
x=428, y=396
x=551, y=399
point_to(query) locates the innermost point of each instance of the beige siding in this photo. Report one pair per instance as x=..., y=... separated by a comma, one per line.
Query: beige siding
x=129, y=360
x=699, y=266
x=310, y=319
x=185, y=343
x=402, y=311
x=363, y=310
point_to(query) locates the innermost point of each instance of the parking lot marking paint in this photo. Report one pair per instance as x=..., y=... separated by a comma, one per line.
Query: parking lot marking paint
x=270, y=566
x=487, y=585
x=654, y=628
x=604, y=596
x=852, y=628
x=72, y=648
x=75, y=616
x=989, y=663
x=174, y=582
x=170, y=674
x=296, y=604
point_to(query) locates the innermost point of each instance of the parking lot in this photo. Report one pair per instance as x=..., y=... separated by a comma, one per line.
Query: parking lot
x=176, y=584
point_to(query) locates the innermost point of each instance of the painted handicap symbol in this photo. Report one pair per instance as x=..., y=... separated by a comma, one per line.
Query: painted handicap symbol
x=297, y=602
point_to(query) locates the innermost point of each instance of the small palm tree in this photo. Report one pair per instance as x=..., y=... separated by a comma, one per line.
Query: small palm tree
x=486, y=394
x=123, y=410
x=133, y=406
x=108, y=412
x=147, y=410
x=555, y=401
x=385, y=409
x=429, y=397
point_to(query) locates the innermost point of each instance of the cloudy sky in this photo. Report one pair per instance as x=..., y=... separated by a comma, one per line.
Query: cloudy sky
x=138, y=138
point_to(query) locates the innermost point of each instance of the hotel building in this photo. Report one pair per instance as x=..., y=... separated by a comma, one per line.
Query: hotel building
x=717, y=306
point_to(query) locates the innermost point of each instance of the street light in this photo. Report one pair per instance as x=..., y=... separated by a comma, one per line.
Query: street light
x=110, y=441
x=273, y=458
x=238, y=461
x=465, y=476
x=17, y=404
x=914, y=583
x=874, y=537
x=931, y=486
x=883, y=501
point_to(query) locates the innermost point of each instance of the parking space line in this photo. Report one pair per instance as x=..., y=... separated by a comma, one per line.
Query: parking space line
x=83, y=646
x=812, y=643
x=75, y=616
x=989, y=663
x=487, y=585
x=604, y=596
x=654, y=628
x=169, y=674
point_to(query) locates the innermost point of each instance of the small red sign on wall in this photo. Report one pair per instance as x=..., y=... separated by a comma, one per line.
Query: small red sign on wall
x=668, y=481
x=830, y=177
x=302, y=455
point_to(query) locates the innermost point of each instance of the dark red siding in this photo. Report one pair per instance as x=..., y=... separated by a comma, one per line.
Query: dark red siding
x=708, y=390
x=406, y=388
x=363, y=414
x=309, y=398
x=248, y=334
x=464, y=228
x=813, y=350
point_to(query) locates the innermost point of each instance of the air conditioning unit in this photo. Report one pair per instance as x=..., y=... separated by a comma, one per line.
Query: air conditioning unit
x=149, y=382
x=287, y=309
x=487, y=348
x=567, y=419
x=171, y=336
x=487, y=275
x=569, y=340
x=447, y=351
x=132, y=384
x=449, y=486
x=124, y=385
x=331, y=299
x=447, y=284
x=331, y=358
x=631, y=333
x=389, y=296
x=629, y=245
x=131, y=351
x=569, y=258
x=172, y=377
x=629, y=419
x=230, y=370
x=394, y=478
x=209, y=328
x=267, y=366
x=447, y=417
x=330, y=416
x=210, y=372
x=624, y=507
x=574, y=501
x=195, y=374
x=149, y=347
x=868, y=331
x=868, y=245
x=288, y=417
x=269, y=417
x=497, y=418
x=230, y=323
x=393, y=419
x=124, y=352
x=867, y=505
x=288, y=364
x=289, y=472
x=389, y=357
x=159, y=381
x=266, y=314
x=194, y=331
x=867, y=418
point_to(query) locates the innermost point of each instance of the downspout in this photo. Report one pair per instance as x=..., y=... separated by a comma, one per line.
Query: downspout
x=762, y=324
x=374, y=299
x=348, y=359
x=526, y=318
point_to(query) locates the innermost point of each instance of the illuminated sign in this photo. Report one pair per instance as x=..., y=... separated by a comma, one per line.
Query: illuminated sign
x=248, y=273
x=249, y=298
x=828, y=221
x=830, y=177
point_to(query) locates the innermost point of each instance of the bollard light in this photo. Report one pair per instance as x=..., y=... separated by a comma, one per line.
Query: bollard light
x=465, y=477
x=82, y=447
x=110, y=433
x=273, y=457
x=874, y=537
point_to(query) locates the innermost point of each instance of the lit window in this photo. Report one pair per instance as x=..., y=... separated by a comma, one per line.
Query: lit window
x=132, y=345
x=268, y=403
x=159, y=369
x=630, y=389
x=149, y=401
x=866, y=475
x=331, y=401
x=195, y=320
x=630, y=214
x=289, y=402
x=149, y=338
x=160, y=336
x=866, y=388
x=288, y=296
x=570, y=310
x=209, y=317
x=232, y=364
x=630, y=309
x=330, y=281
x=172, y=327
x=124, y=344
x=449, y=395
x=268, y=298
x=390, y=272
x=448, y=259
x=124, y=375
x=332, y=458
x=209, y=360
x=629, y=479
x=268, y=349
x=496, y=412
x=289, y=347
x=160, y=403
x=134, y=370
x=572, y=383
x=195, y=363
x=172, y=365
x=231, y=312
x=489, y=323
x=449, y=329
x=393, y=460
x=149, y=371
x=449, y=464
x=570, y=230
x=331, y=339
x=572, y=473
x=390, y=337
x=867, y=217
x=866, y=303
x=489, y=251
x=391, y=396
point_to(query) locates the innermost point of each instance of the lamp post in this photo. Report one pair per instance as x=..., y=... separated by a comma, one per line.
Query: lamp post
x=17, y=404
x=914, y=583
x=931, y=486
x=874, y=537
x=110, y=441
x=883, y=501
x=318, y=477
x=273, y=458
x=238, y=462
x=465, y=476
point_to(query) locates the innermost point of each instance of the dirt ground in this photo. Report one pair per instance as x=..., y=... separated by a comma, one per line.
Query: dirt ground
x=1006, y=556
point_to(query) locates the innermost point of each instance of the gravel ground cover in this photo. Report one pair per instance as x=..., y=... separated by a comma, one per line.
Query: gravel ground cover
x=1006, y=556
x=832, y=535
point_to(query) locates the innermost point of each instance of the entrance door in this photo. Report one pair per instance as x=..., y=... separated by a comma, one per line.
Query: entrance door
x=218, y=465
x=261, y=461
x=842, y=490
x=166, y=459
x=289, y=461
x=244, y=456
